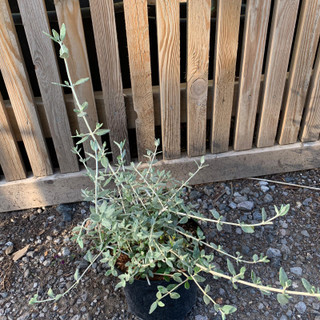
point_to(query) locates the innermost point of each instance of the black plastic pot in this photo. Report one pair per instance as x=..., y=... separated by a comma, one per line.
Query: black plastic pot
x=140, y=296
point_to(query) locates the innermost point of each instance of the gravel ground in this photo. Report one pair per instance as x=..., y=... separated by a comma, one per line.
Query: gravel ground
x=51, y=258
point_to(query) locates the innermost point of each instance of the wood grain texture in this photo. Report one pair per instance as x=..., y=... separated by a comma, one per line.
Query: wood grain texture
x=17, y=83
x=226, y=46
x=304, y=51
x=199, y=13
x=279, y=47
x=35, y=20
x=10, y=157
x=69, y=13
x=254, y=39
x=169, y=75
x=310, y=127
x=137, y=27
x=65, y=188
x=105, y=34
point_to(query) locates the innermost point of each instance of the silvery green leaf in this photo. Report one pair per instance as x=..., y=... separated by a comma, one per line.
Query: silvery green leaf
x=84, y=106
x=62, y=32
x=199, y=278
x=215, y=213
x=227, y=309
x=76, y=275
x=161, y=304
x=206, y=299
x=34, y=299
x=184, y=220
x=307, y=285
x=55, y=35
x=57, y=297
x=64, y=52
x=284, y=210
x=50, y=293
x=153, y=307
x=247, y=229
x=88, y=256
x=231, y=268
x=282, y=299
x=102, y=132
x=158, y=295
x=174, y=295
x=255, y=258
x=80, y=81
x=187, y=285
x=80, y=243
x=162, y=289
x=207, y=288
x=263, y=214
x=283, y=278
x=82, y=140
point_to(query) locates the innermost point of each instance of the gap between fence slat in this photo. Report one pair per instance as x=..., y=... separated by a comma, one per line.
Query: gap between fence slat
x=226, y=47
x=18, y=86
x=35, y=21
x=136, y=16
x=198, y=38
x=300, y=71
x=310, y=127
x=105, y=33
x=281, y=36
x=255, y=33
x=69, y=13
x=10, y=157
x=169, y=75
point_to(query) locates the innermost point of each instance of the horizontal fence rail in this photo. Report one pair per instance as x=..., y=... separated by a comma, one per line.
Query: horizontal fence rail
x=236, y=81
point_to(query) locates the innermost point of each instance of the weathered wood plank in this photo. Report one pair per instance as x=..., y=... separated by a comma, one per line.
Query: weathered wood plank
x=169, y=75
x=17, y=83
x=105, y=33
x=64, y=188
x=310, y=128
x=199, y=12
x=254, y=39
x=35, y=20
x=227, y=30
x=281, y=36
x=69, y=13
x=10, y=158
x=304, y=51
x=136, y=16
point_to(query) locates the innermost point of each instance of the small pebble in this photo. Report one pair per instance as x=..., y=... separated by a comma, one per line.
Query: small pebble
x=301, y=307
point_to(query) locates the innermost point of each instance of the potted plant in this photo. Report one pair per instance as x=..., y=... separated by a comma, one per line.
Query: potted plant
x=151, y=240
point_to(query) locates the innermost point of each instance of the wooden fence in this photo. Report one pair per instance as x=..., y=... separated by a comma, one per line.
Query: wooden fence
x=263, y=118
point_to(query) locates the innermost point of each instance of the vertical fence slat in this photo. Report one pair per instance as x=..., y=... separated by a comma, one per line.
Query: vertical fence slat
x=300, y=71
x=169, y=75
x=105, y=33
x=35, y=20
x=69, y=13
x=255, y=33
x=10, y=158
x=226, y=46
x=199, y=12
x=281, y=36
x=310, y=128
x=136, y=16
x=19, y=90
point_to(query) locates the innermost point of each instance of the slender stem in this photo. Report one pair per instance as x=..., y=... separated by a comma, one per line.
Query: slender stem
x=268, y=222
x=257, y=286
x=216, y=249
